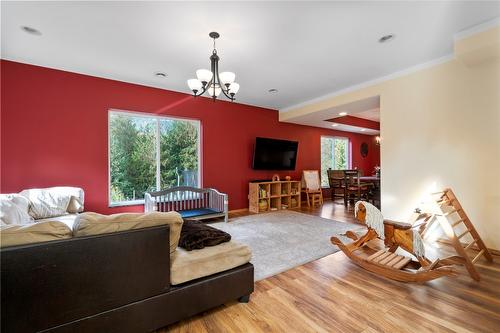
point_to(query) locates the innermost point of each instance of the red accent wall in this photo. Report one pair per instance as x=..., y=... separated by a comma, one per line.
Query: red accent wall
x=54, y=132
x=355, y=121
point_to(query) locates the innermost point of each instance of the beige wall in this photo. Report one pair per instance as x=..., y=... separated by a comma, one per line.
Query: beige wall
x=440, y=127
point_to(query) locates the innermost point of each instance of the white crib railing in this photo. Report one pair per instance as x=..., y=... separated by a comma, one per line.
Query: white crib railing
x=182, y=198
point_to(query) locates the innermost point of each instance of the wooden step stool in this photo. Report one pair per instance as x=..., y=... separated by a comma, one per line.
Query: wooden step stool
x=449, y=204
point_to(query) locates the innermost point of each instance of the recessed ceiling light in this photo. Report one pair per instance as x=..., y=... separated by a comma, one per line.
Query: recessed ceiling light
x=343, y=114
x=386, y=38
x=31, y=30
x=160, y=74
x=273, y=91
x=335, y=125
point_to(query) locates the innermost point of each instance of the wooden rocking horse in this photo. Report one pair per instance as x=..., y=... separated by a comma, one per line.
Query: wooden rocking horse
x=395, y=235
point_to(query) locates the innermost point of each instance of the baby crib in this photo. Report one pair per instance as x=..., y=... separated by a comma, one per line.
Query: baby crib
x=190, y=202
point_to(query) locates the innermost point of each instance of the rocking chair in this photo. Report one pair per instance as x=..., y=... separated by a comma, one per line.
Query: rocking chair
x=387, y=262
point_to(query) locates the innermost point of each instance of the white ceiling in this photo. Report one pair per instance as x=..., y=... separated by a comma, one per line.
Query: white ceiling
x=363, y=108
x=303, y=49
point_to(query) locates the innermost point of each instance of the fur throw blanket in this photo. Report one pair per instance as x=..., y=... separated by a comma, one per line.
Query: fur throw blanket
x=196, y=235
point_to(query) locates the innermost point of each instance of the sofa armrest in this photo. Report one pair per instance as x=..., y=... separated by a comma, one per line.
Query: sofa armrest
x=48, y=284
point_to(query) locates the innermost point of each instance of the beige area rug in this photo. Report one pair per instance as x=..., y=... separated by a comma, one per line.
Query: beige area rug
x=285, y=239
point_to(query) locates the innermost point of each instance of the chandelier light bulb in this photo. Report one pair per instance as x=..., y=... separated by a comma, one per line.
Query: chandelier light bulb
x=233, y=88
x=195, y=85
x=204, y=75
x=227, y=78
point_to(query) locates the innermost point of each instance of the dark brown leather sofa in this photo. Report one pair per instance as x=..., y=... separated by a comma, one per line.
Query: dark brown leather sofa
x=107, y=283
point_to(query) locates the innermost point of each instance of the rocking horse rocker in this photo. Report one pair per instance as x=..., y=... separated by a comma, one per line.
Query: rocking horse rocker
x=395, y=235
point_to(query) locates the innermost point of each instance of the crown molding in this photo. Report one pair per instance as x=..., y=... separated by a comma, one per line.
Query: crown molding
x=477, y=29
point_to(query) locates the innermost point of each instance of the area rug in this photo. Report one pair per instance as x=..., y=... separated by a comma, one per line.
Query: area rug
x=285, y=239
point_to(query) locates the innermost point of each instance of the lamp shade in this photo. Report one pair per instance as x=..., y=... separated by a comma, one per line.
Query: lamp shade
x=211, y=90
x=204, y=75
x=227, y=78
x=234, y=87
x=194, y=84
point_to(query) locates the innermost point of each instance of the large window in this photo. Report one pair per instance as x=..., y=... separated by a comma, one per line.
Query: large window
x=148, y=153
x=334, y=155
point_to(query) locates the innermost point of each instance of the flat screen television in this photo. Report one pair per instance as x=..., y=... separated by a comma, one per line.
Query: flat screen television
x=273, y=154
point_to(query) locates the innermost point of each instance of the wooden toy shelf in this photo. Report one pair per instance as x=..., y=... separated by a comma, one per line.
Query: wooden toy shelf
x=272, y=196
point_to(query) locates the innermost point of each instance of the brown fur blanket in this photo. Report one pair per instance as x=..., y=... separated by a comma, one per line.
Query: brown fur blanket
x=196, y=235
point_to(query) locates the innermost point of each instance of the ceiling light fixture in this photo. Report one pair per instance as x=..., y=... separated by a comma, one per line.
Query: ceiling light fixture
x=211, y=80
x=273, y=91
x=31, y=30
x=343, y=114
x=160, y=74
x=386, y=38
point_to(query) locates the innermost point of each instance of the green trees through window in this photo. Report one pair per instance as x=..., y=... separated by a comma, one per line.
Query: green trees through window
x=334, y=155
x=149, y=153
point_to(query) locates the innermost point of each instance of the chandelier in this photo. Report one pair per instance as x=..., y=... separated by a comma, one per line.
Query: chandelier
x=211, y=81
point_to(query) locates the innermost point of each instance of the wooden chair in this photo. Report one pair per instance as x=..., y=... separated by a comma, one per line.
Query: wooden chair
x=336, y=182
x=311, y=186
x=374, y=194
x=353, y=186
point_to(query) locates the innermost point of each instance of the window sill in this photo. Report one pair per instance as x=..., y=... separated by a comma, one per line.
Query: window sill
x=126, y=203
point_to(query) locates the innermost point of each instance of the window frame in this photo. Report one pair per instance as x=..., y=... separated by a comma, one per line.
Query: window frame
x=157, y=117
x=349, y=152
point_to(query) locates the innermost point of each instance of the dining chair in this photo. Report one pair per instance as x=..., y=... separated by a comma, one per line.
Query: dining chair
x=336, y=182
x=353, y=186
x=311, y=186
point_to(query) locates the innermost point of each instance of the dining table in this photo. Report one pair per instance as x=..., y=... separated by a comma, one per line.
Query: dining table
x=373, y=179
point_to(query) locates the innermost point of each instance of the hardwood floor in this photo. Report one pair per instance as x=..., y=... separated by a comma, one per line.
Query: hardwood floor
x=334, y=295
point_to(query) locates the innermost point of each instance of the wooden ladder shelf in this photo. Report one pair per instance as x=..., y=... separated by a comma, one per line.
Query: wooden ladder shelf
x=449, y=204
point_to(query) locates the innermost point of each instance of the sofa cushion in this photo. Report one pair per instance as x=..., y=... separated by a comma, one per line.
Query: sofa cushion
x=14, y=209
x=19, y=234
x=197, y=212
x=68, y=219
x=87, y=224
x=190, y=265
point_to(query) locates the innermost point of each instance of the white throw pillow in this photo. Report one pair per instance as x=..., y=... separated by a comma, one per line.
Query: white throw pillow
x=46, y=202
x=14, y=209
x=76, y=202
